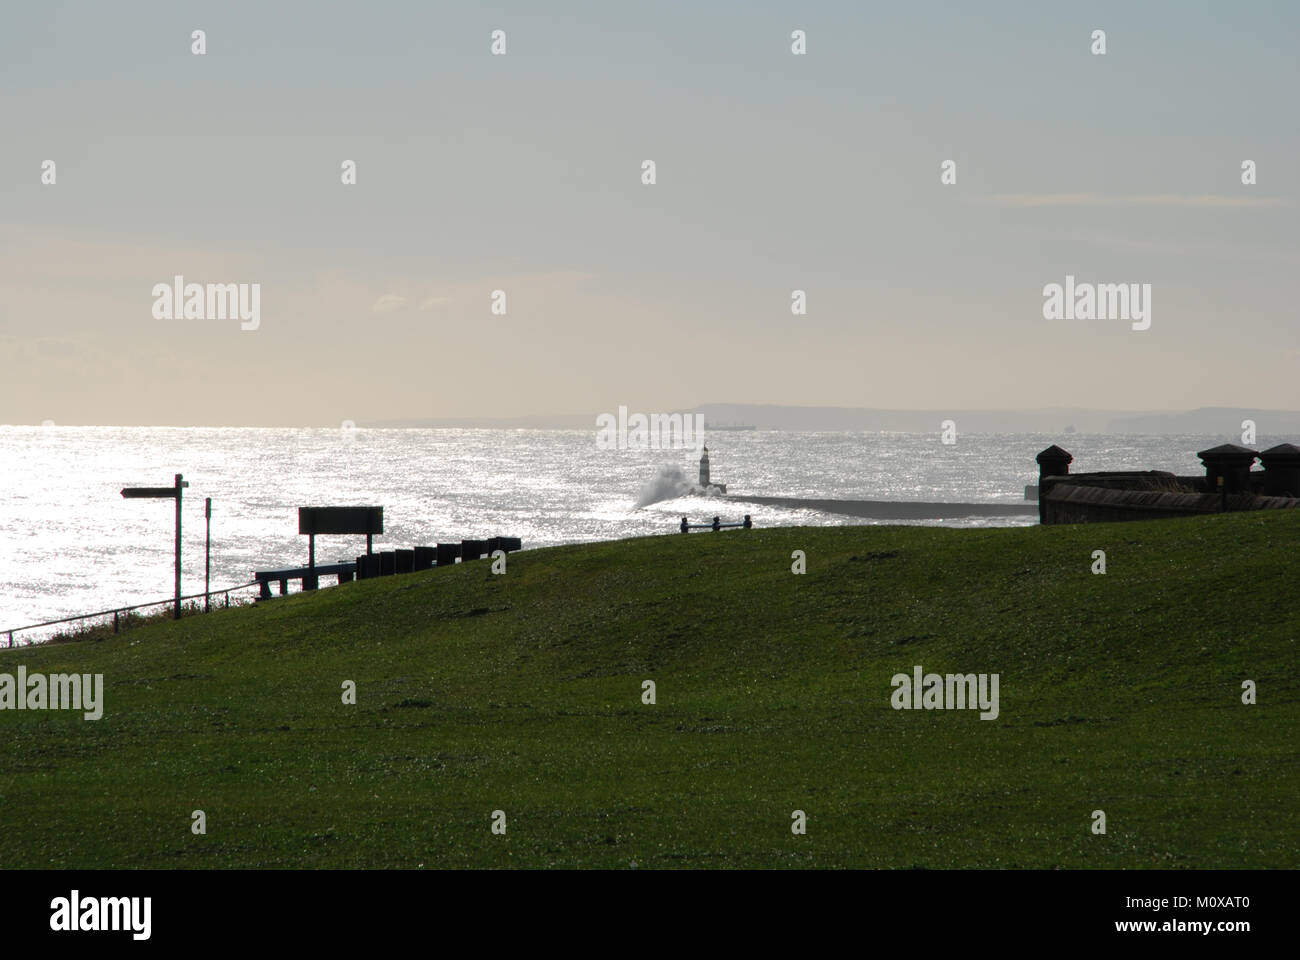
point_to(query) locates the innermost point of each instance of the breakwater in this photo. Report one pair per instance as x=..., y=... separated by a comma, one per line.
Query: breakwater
x=895, y=509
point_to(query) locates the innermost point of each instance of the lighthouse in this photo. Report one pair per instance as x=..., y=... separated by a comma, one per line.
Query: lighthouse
x=705, y=482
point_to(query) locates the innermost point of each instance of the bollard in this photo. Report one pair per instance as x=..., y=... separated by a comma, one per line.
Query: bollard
x=686, y=527
x=748, y=524
x=717, y=524
x=404, y=561
x=425, y=557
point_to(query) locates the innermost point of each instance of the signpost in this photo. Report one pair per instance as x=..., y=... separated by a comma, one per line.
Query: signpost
x=135, y=493
x=314, y=520
x=207, y=558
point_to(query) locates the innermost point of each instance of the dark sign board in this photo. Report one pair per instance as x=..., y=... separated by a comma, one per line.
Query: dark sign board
x=315, y=520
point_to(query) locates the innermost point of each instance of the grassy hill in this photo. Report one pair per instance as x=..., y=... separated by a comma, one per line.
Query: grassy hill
x=522, y=693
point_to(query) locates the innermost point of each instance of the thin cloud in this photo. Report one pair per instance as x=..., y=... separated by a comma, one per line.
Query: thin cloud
x=388, y=303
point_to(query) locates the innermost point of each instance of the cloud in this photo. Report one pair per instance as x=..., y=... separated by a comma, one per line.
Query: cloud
x=1222, y=201
x=388, y=303
x=431, y=302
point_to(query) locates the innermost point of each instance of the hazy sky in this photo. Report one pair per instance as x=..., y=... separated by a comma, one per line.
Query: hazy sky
x=522, y=172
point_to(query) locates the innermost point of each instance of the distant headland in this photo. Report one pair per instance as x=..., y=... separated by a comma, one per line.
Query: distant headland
x=1203, y=421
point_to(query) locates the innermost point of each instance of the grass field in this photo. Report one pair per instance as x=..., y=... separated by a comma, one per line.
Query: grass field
x=523, y=693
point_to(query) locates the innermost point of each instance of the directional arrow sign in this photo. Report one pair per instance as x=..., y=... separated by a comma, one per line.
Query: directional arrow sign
x=133, y=493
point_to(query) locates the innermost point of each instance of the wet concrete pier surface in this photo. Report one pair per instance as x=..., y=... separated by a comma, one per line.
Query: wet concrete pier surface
x=895, y=509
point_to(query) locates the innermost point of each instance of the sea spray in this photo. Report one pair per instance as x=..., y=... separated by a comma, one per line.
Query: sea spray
x=669, y=483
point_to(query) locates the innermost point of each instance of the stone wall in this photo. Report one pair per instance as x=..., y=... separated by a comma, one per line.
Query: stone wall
x=1097, y=498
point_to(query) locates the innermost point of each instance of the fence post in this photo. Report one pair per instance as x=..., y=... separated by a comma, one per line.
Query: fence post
x=115, y=621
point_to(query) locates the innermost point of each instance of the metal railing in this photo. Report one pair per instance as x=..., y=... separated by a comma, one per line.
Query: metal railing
x=117, y=612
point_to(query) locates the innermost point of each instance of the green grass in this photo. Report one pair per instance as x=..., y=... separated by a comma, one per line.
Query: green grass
x=522, y=693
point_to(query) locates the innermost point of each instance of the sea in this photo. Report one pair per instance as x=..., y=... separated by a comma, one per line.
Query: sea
x=70, y=544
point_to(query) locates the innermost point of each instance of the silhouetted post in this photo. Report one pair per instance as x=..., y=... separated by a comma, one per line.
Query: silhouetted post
x=1223, y=496
x=686, y=528
x=177, y=615
x=370, y=543
x=748, y=523
x=207, y=557
x=717, y=524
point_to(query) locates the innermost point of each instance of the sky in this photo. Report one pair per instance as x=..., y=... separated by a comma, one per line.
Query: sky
x=522, y=172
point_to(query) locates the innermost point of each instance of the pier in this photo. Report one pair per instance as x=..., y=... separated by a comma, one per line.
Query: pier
x=895, y=509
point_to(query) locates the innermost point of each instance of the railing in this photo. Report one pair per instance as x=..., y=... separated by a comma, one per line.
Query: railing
x=118, y=611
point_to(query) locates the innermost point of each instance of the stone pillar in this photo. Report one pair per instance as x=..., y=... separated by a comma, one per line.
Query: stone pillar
x=1230, y=461
x=1281, y=470
x=1052, y=462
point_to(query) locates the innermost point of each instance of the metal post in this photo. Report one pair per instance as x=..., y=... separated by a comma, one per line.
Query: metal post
x=311, y=550
x=369, y=544
x=179, y=488
x=115, y=621
x=207, y=558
